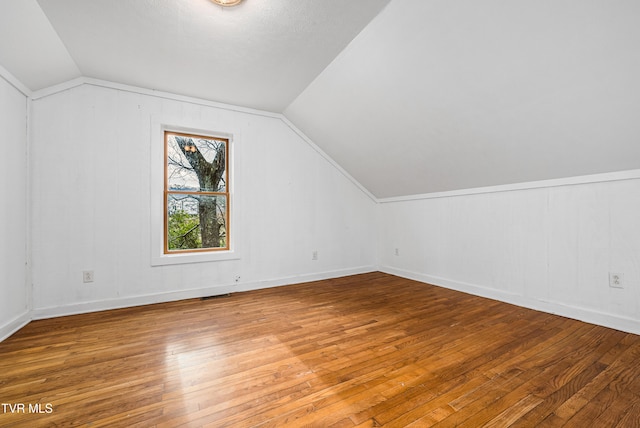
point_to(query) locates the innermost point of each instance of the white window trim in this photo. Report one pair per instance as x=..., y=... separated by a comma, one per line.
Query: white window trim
x=158, y=257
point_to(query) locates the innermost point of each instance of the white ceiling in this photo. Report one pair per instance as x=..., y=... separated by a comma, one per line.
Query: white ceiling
x=260, y=54
x=409, y=96
x=30, y=48
x=441, y=95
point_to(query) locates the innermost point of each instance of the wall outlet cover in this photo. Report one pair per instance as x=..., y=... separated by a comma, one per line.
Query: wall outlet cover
x=616, y=280
x=87, y=276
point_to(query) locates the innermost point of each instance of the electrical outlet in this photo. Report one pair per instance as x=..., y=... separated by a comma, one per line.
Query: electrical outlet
x=87, y=276
x=238, y=278
x=616, y=280
x=396, y=252
x=314, y=255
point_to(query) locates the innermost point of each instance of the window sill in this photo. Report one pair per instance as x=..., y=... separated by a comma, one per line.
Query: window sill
x=178, y=259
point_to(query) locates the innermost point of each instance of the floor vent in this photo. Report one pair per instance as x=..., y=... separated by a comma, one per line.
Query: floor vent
x=217, y=296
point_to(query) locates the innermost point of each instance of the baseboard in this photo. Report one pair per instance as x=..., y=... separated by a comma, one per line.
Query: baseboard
x=604, y=319
x=125, y=302
x=14, y=325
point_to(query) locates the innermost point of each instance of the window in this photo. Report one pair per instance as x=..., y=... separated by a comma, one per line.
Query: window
x=196, y=193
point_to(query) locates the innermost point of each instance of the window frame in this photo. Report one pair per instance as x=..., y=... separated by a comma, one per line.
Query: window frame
x=178, y=123
x=167, y=192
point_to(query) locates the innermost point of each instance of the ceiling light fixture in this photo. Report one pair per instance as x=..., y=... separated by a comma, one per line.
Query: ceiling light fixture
x=227, y=2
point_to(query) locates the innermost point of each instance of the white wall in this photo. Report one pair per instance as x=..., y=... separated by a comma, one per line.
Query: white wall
x=91, y=204
x=14, y=298
x=548, y=248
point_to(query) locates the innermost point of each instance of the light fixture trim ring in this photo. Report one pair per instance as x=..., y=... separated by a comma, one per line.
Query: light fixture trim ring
x=227, y=3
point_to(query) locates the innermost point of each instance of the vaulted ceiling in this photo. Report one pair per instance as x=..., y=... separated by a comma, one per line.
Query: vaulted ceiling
x=408, y=96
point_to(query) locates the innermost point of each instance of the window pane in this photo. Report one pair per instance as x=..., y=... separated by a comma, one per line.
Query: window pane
x=196, y=163
x=196, y=221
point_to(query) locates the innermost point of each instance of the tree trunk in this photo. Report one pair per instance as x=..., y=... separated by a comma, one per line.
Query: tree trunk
x=209, y=226
x=209, y=175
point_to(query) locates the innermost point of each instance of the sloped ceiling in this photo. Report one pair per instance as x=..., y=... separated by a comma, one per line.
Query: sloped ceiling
x=30, y=48
x=442, y=95
x=408, y=96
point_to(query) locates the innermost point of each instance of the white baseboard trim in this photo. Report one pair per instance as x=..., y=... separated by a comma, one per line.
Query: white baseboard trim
x=590, y=316
x=15, y=324
x=148, y=299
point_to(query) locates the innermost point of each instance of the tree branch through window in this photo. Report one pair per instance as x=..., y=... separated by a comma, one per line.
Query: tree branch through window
x=196, y=193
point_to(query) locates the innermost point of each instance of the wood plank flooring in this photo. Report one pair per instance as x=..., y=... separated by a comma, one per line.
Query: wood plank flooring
x=361, y=351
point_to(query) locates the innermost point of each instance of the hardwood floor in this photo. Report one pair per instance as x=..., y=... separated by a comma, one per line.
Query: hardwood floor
x=367, y=350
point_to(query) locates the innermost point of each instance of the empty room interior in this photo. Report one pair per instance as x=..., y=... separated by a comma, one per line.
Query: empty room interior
x=330, y=213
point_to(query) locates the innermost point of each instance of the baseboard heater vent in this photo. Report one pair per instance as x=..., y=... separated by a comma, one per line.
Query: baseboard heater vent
x=217, y=296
